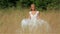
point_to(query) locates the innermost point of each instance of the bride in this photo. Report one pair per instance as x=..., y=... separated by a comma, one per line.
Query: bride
x=33, y=24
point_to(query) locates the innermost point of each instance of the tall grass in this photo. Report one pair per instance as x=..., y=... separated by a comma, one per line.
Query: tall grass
x=10, y=20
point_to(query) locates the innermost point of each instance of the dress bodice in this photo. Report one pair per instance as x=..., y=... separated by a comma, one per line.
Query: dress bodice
x=34, y=16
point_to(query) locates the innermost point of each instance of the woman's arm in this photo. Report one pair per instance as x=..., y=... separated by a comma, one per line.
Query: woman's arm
x=29, y=15
x=38, y=17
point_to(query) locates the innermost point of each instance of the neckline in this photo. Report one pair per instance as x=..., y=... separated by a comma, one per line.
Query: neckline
x=34, y=14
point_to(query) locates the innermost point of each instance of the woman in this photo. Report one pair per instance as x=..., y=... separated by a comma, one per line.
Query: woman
x=34, y=24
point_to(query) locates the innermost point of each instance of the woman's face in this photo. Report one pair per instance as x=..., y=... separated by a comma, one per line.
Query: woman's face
x=32, y=7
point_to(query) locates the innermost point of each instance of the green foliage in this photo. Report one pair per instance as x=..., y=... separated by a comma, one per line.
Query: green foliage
x=7, y=3
x=54, y=4
x=43, y=4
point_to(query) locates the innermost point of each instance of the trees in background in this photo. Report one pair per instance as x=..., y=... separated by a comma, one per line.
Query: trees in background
x=7, y=3
x=43, y=4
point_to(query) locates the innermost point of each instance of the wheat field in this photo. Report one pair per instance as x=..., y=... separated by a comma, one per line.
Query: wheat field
x=10, y=21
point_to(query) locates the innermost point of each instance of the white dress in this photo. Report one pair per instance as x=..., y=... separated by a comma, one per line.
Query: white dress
x=35, y=26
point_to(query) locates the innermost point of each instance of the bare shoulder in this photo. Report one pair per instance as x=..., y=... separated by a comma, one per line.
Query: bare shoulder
x=37, y=11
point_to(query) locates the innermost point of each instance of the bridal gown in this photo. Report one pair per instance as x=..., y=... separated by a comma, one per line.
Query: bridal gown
x=34, y=26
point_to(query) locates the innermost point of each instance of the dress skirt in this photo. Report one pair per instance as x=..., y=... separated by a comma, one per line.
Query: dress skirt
x=35, y=26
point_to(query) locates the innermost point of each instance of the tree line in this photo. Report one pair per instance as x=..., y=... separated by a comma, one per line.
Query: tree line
x=43, y=4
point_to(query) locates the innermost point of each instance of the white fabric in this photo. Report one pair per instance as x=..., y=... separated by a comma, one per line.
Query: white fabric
x=34, y=24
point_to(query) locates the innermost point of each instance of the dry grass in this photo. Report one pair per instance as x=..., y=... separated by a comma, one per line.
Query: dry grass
x=10, y=21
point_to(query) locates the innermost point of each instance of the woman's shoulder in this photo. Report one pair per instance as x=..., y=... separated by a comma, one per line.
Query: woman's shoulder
x=37, y=11
x=29, y=12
